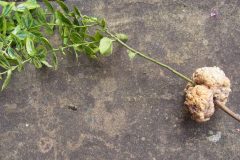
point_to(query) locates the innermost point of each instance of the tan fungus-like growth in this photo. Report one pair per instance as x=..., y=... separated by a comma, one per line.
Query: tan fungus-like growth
x=211, y=85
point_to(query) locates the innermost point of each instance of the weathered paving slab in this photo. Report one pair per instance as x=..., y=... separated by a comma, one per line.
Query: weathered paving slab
x=129, y=110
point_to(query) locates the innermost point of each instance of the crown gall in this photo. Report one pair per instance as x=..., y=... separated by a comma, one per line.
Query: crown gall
x=211, y=85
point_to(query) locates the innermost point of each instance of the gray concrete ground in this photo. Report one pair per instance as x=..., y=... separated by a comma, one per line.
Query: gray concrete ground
x=129, y=110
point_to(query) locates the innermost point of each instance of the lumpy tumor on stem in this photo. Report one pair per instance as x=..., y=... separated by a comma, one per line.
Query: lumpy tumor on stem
x=211, y=85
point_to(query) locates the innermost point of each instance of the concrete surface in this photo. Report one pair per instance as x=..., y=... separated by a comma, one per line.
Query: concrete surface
x=129, y=110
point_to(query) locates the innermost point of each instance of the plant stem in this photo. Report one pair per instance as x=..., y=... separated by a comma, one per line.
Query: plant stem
x=150, y=59
x=53, y=24
x=73, y=45
x=228, y=111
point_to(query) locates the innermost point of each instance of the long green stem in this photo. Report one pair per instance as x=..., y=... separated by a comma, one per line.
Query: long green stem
x=53, y=24
x=73, y=45
x=149, y=58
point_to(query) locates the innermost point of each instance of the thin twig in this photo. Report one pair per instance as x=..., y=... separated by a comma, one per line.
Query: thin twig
x=228, y=111
x=150, y=59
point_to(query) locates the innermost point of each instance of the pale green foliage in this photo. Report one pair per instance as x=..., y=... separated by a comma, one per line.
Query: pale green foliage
x=106, y=46
x=122, y=37
x=131, y=54
x=23, y=30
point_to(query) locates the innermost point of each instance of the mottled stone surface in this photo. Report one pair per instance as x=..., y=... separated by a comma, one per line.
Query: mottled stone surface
x=129, y=110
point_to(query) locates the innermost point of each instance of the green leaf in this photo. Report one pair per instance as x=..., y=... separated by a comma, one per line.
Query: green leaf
x=122, y=37
x=27, y=19
x=106, y=46
x=62, y=18
x=65, y=35
x=1, y=45
x=131, y=54
x=4, y=62
x=62, y=50
x=21, y=34
x=63, y=6
x=37, y=63
x=29, y=5
x=52, y=20
x=2, y=38
x=8, y=8
x=46, y=63
x=83, y=31
x=7, y=80
x=98, y=36
x=76, y=11
x=96, y=50
x=4, y=26
x=46, y=42
x=49, y=29
x=19, y=43
x=30, y=47
x=3, y=3
x=16, y=30
x=76, y=22
x=10, y=25
x=54, y=60
x=103, y=23
x=36, y=33
x=87, y=19
x=17, y=17
x=11, y=53
x=3, y=65
x=88, y=50
x=41, y=16
x=76, y=38
x=49, y=6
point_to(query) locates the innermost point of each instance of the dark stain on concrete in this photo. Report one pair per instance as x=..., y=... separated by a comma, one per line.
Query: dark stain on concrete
x=128, y=109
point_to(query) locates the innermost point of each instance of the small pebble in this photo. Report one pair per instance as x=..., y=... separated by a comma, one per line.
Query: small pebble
x=210, y=132
x=215, y=138
x=214, y=13
x=205, y=42
x=143, y=138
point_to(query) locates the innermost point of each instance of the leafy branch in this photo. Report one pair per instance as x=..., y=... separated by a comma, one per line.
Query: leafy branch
x=24, y=29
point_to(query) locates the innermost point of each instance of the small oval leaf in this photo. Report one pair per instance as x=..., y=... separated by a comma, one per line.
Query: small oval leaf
x=54, y=60
x=63, y=6
x=30, y=47
x=11, y=53
x=131, y=54
x=29, y=5
x=8, y=8
x=46, y=63
x=62, y=18
x=46, y=42
x=49, y=6
x=76, y=11
x=7, y=80
x=122, y=37
x=106, y=46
